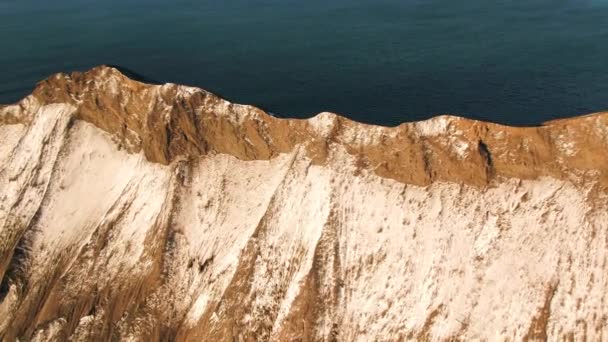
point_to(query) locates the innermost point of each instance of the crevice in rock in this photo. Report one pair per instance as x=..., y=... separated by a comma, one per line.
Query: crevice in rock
x=486, y=156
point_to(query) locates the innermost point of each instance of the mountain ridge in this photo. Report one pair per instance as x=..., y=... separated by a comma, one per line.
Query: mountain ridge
x=139, y=212
x=181, y=132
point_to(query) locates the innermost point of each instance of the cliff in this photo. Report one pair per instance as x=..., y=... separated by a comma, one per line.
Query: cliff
x=163, y=212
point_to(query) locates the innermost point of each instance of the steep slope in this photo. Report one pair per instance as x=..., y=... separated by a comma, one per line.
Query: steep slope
x=144, y=212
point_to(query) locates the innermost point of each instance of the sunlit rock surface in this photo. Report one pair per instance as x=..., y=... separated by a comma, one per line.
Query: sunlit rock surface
x=142, y=212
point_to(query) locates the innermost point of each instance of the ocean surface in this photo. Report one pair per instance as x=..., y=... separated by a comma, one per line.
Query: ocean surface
x=518, y=62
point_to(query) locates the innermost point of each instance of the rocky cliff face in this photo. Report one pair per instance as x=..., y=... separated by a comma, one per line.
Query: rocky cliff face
x=140, y=212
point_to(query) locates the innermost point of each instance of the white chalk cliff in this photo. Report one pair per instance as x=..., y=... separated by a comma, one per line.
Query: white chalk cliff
x=161, y=212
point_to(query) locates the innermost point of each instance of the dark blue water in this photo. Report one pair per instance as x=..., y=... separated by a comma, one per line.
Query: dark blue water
x=379, y=61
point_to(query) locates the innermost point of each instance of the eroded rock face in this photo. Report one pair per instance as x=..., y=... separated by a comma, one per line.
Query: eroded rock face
x=133, y=211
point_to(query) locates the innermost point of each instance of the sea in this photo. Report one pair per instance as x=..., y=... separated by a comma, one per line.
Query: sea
x=516, y=62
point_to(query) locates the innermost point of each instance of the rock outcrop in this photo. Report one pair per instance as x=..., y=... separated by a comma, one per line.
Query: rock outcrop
x=131, y=211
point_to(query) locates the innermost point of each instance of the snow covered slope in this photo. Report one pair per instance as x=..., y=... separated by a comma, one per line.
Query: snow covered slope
x=139, y=212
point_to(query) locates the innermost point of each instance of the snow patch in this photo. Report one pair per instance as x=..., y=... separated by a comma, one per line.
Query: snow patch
x=459, y=146
x=323, y=123
x=184, y=91
x=488, y=234
x=433, y=127
x=198, y=309
x=10, y=135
